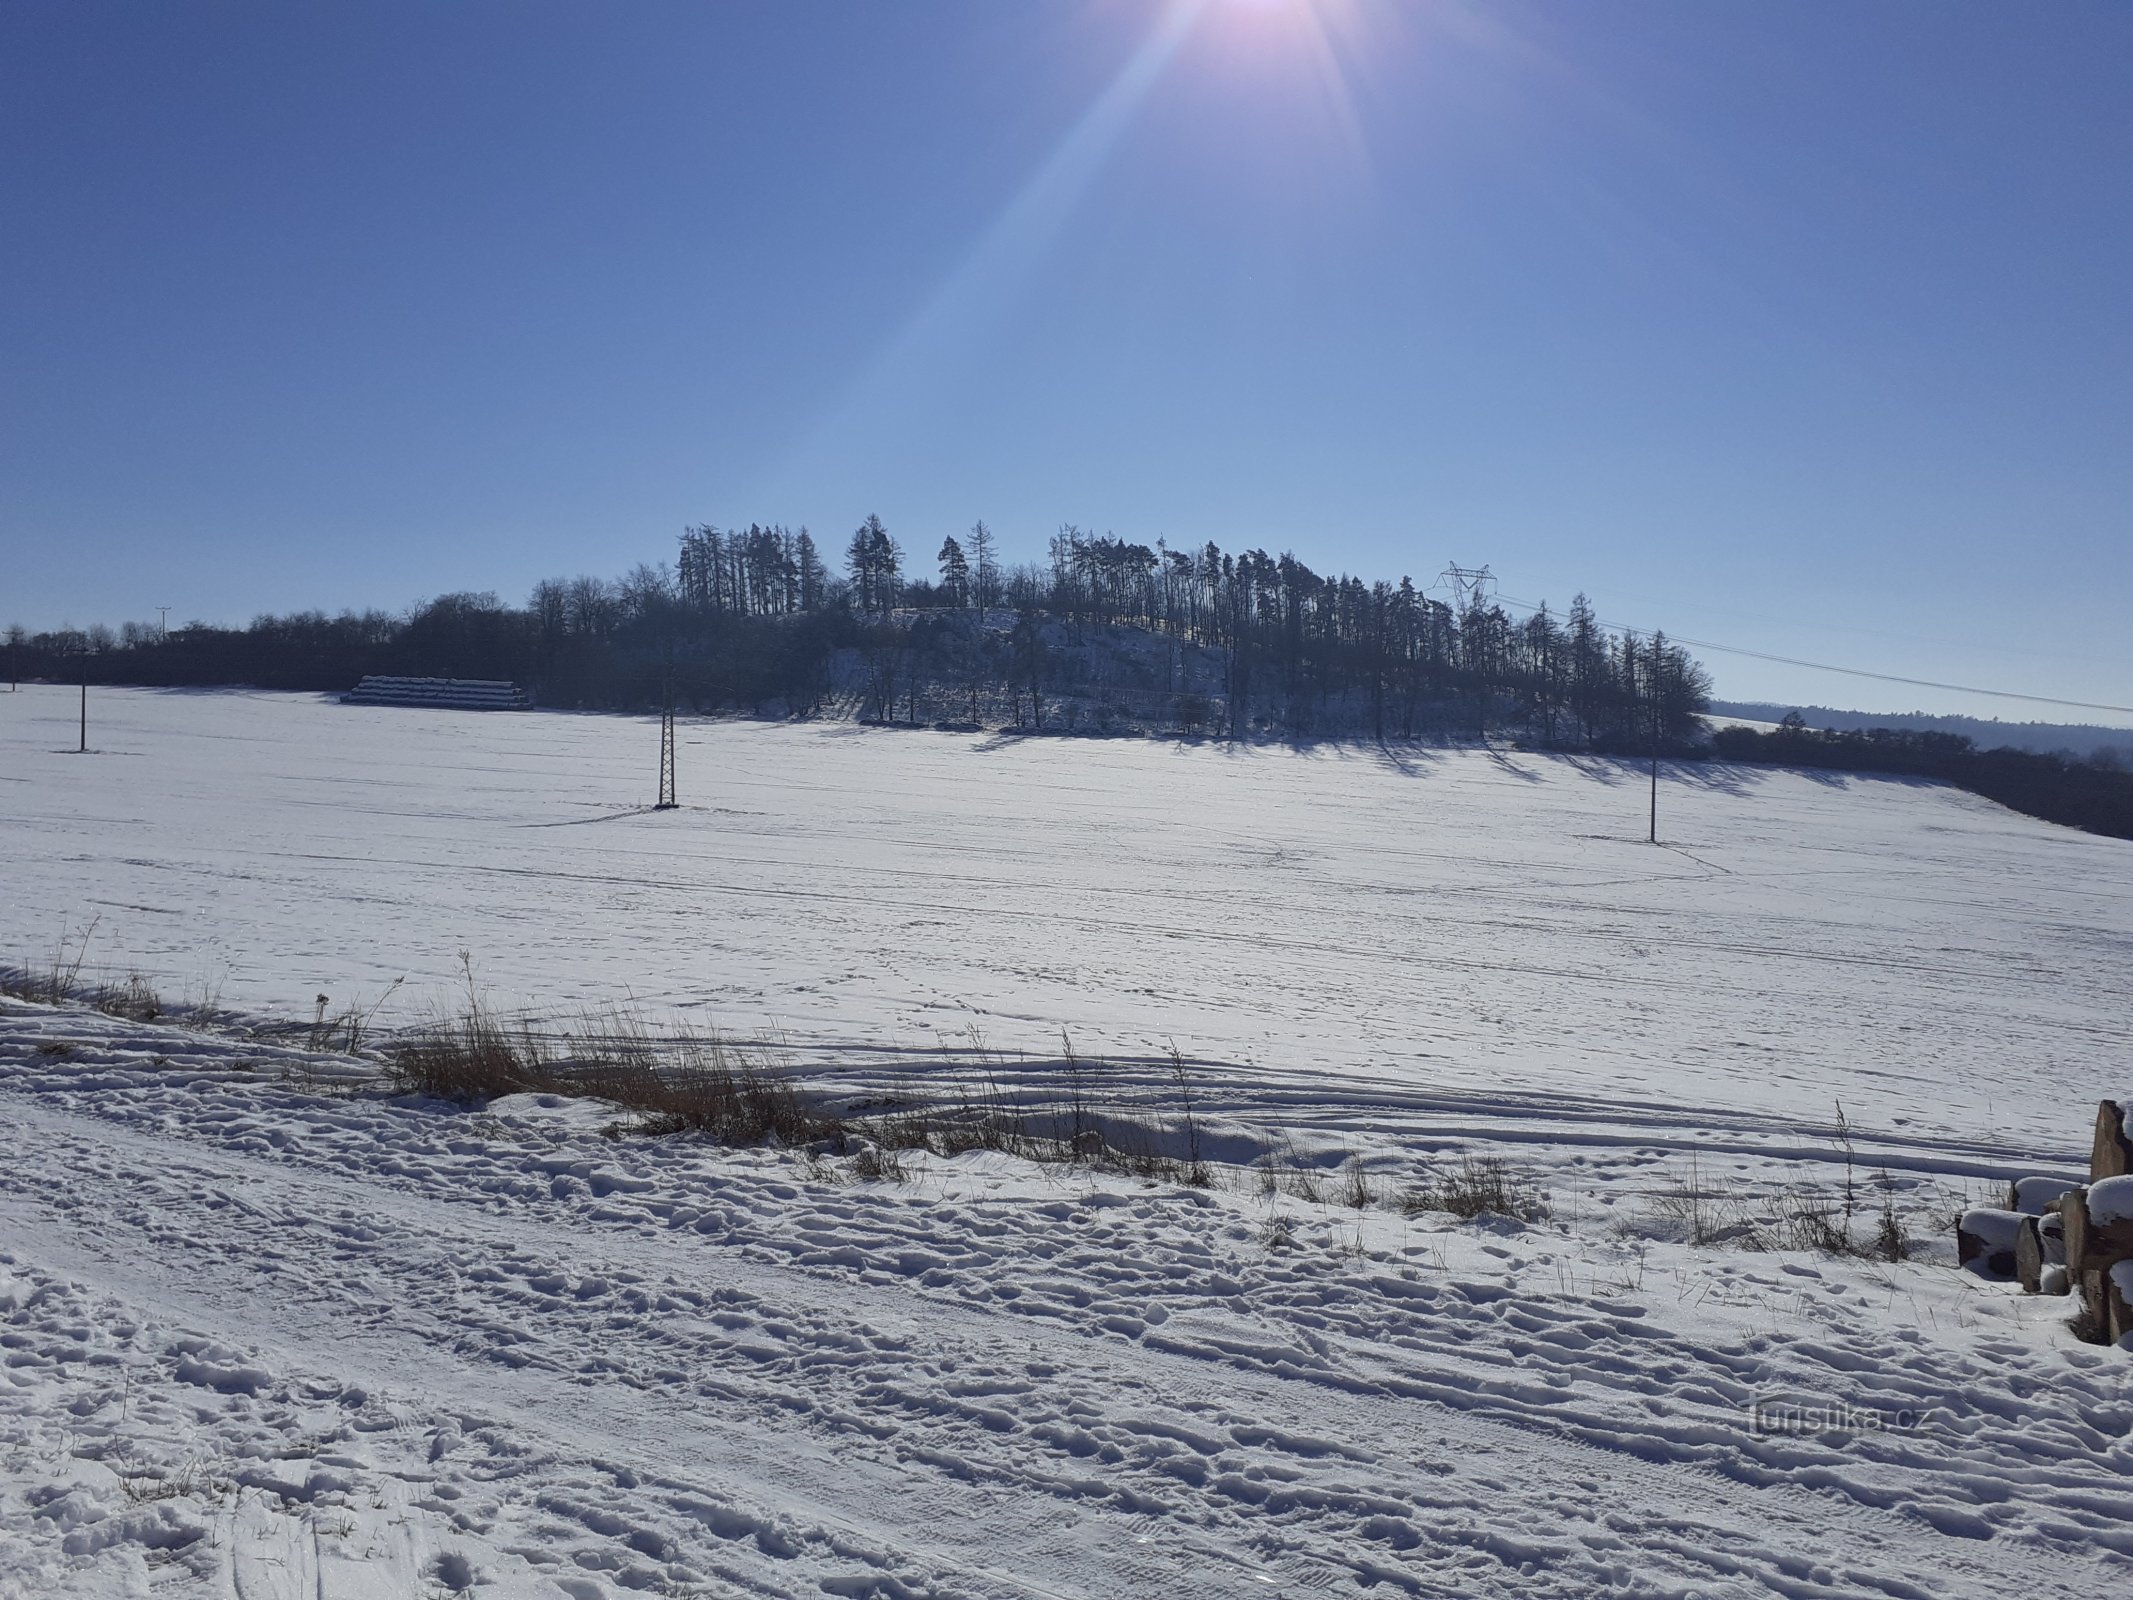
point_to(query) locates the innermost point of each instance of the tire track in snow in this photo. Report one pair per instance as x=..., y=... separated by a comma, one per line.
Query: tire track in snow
x=1342, y=1350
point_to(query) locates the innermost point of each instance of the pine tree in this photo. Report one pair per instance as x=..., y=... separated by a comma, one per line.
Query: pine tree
x=985, y=566
x=876, y=565
x=955, y=573
x=813, y=576
x=1587, y=646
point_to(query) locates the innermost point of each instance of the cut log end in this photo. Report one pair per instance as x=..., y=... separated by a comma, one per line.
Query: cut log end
x=2112, y=1154
x=2029, y=1256
x=2040, y=1255
x=2118, y=1302
x=1985, y=1241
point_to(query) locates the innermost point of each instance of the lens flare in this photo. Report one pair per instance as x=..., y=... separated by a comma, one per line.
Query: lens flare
x=1254, y=37
x=1326, y=39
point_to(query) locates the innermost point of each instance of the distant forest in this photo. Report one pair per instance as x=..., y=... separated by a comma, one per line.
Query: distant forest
x=2093, y=792
x=1106, y=636
x=1987, y=733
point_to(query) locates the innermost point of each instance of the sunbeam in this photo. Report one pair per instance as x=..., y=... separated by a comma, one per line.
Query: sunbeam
x=981, y=287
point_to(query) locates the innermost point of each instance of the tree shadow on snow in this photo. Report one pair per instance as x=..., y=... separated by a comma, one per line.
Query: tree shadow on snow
x=1523, y=774
x=1598, y=768
x=1713, y=777
x=1408, y=760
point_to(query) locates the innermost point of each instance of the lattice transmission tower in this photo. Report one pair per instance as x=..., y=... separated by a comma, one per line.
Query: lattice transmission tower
x=1470, y=585
x=667, y=802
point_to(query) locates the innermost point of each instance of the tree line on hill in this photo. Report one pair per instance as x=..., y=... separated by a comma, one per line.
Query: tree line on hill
x=2075, y=740
x=2095, y=793
x=1105, y=635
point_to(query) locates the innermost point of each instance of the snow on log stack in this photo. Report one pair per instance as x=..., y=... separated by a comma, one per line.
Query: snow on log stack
x=1986, y=1238
x=456, y=694
x=2060, y=1237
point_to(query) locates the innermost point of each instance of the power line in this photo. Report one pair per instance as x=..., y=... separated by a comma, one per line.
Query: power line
x=1850, y=672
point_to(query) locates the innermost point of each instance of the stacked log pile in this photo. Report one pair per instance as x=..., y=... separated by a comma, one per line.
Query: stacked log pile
x=2066, y=1238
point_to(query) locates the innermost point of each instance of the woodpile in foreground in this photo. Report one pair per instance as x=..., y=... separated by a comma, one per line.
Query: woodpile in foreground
x=2059, y=1237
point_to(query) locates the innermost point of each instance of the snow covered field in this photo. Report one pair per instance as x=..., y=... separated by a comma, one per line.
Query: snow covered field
x=1405, y=923
x=269, y=1332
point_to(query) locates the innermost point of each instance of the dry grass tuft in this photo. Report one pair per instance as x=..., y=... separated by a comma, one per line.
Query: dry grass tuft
x=1826, y=1220
x=689, y=1084
x=58, y=980
x=700, y=1084
x=132, y=1001
x=468, y=1059
x=1479, y=1185
x=1355, y=1187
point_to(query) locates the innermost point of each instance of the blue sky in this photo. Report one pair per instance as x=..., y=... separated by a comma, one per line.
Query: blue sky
x=1807, y=328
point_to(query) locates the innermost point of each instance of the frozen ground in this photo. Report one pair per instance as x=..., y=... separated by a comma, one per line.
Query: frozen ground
x=268, y=1332
x=270, y=1335
x=1406, y=923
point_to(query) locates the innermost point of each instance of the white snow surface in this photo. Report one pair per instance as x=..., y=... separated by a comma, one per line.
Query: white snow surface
x=267, y=1331
x=271, y=1334
x=1399, y=921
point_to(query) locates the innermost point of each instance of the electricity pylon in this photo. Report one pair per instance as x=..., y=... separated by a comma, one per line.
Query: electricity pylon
x=667, y=802
x=1469, y=584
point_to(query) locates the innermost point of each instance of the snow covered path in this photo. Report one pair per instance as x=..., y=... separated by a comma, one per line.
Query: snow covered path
x=372, y=1346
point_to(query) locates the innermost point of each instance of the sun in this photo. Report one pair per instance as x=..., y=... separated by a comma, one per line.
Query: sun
x=1312, y=29
x=1324, y=43
x=1270, y=16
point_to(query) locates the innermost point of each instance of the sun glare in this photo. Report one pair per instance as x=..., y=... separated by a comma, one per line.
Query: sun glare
x=1323, y=39
x=1270, y=18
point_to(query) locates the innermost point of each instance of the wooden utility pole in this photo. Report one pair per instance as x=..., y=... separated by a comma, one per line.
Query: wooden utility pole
x=84, y=702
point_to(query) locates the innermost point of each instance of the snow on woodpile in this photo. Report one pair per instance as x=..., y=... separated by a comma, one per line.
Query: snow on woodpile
x=2111, y=1200
x=2032, y=1195
x=2081, y=1247
x=1986, y=1237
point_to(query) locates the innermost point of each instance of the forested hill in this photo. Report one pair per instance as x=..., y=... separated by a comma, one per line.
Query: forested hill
x=2094, y=793
x=1106, y=636
x=1987, y=733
